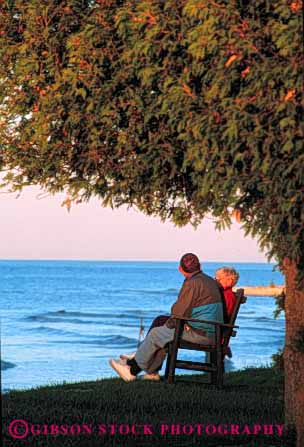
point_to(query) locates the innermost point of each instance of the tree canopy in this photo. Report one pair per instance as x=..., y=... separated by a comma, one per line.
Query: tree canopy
x=179, y=108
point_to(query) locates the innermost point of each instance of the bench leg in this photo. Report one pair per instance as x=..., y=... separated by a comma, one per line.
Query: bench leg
x=220, y=369
x=219, y=358
x=213, y=375
x=168, y=362
x=172, y=364
x=173, y=348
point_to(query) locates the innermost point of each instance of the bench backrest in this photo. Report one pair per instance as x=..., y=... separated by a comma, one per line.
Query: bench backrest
x=240, y=299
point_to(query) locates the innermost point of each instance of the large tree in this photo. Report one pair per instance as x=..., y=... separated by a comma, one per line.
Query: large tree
x=180, y=108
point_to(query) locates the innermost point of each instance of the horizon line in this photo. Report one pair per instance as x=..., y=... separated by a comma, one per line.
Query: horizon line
x=126, y=260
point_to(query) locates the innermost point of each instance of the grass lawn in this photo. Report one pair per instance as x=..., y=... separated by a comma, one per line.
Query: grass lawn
x=105, y=410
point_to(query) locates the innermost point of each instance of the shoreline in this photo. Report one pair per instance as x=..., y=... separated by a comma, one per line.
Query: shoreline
x=261, y=290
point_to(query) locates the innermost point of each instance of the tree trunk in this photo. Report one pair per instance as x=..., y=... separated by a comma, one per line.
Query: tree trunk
x=293, y=358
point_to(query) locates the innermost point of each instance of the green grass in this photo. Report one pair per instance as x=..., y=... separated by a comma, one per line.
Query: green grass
x=253, y=396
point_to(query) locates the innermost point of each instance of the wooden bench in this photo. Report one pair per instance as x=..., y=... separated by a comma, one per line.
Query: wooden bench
x=217, y=350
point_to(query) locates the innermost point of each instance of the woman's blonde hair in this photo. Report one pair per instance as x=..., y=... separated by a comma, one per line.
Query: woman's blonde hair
x=227, y=271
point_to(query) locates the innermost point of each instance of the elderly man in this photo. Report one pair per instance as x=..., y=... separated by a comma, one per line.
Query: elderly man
x=199, y=298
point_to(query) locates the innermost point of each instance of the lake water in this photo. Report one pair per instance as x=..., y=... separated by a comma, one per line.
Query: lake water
x=63, y=320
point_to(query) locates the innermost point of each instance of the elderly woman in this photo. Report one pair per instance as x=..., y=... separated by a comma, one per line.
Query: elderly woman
x=227, y=277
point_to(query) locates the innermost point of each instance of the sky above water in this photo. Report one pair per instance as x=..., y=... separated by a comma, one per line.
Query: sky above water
x=40, y=228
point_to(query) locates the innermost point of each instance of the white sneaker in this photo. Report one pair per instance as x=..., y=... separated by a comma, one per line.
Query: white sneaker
x=122, y=370
x=152, y=376
x=128, y=356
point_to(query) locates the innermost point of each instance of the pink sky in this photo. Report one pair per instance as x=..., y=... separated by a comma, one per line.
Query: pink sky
x=33, y=228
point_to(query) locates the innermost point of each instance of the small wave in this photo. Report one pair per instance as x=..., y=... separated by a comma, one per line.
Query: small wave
x=169, y=291
x=7, y=365
x=108, y=341
x=100, y=315
x=65, y=316
x=66, y=313
x=53, y=331
x=274, y=343
x=110, y=320
x=261, y=329
x=153, y=291
x=264, y=319
x=61, y=315
x=115, y=341
x=105, y=340
x=260, y=319
x=45, y=319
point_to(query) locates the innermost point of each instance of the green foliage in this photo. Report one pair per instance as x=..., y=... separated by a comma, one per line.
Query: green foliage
x=180, y=109
x=278, y=360
x=280, y=304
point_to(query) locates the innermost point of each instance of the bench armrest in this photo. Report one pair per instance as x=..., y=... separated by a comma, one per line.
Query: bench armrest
x=195, y=320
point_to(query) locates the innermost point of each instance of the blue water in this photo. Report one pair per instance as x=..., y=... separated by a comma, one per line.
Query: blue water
x=62, y=320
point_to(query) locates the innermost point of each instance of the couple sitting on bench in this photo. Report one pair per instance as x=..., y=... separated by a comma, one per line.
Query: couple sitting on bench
x=201, y=297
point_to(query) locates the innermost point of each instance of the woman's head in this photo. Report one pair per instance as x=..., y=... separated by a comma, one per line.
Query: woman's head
x=227, y=276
